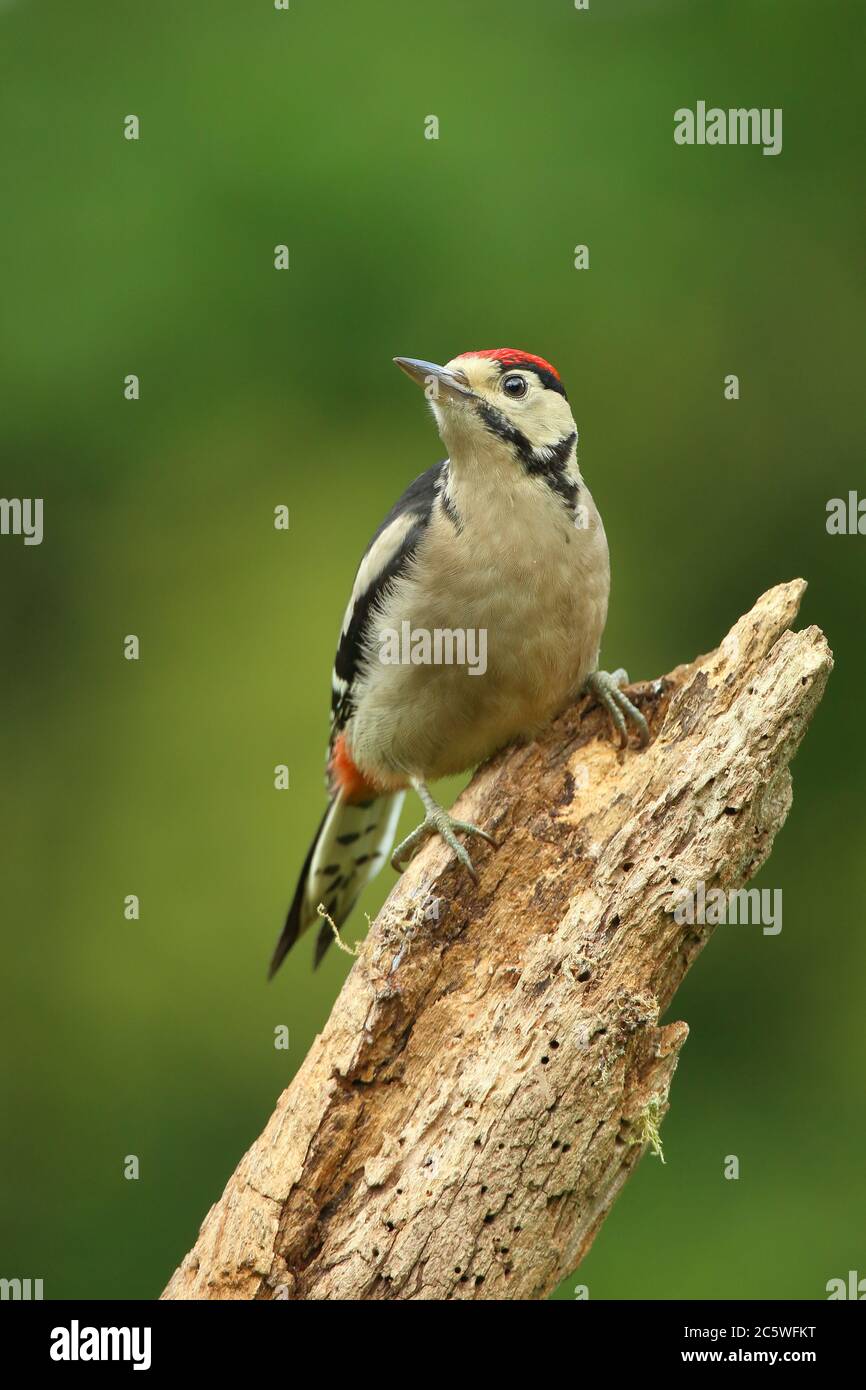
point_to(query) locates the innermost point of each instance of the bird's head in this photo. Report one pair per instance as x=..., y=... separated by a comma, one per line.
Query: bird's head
x=499, y=399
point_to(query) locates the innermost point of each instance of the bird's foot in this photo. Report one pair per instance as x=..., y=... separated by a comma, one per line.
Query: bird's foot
x=437, y=821
x=605, y=686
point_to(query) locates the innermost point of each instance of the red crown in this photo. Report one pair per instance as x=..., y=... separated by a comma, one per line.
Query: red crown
x=513, y=357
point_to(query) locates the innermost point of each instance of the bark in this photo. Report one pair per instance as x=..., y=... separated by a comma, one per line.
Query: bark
x=488, y=1080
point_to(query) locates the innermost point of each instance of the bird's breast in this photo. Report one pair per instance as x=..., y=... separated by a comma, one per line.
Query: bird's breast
x=490, y=632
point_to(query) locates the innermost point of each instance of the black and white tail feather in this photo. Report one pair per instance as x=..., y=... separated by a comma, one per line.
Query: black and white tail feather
x=352, y=843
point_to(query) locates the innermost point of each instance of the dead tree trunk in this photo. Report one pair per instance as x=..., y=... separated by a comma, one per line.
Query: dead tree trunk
x=489, y=1078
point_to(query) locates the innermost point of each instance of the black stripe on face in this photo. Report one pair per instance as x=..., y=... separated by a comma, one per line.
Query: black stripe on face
x=501, y=426
x=553, y=456
x=548, y=463
x=554, y=471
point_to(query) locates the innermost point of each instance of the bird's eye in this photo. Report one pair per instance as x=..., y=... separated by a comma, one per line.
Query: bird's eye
x=514, y=386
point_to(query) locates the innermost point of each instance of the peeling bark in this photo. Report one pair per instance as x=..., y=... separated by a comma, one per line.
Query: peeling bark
x=487, y=1081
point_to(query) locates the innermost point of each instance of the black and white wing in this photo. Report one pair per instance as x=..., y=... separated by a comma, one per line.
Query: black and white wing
x=386, y=558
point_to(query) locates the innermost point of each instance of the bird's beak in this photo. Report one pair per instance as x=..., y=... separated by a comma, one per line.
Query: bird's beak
x=436, y=380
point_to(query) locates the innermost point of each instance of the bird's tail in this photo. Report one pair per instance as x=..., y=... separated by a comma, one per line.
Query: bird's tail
x=349, y=848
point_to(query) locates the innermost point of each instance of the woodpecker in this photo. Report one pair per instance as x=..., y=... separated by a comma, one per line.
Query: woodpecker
x=503, y=538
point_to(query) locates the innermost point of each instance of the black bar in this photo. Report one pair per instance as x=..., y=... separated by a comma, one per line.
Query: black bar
x=643, y=1338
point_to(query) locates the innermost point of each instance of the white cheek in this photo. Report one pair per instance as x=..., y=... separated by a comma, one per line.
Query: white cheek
x=531, y=417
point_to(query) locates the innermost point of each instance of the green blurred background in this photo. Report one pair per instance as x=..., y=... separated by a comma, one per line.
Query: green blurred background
x=261, y=387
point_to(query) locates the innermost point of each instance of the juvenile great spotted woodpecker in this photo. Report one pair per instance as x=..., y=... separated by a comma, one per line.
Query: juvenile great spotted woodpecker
x=502, y=537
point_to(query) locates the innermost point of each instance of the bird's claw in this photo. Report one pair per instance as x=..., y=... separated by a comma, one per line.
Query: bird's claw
x=438, y=822
x=606, y=687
